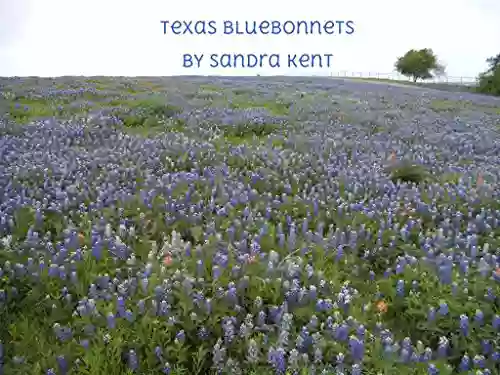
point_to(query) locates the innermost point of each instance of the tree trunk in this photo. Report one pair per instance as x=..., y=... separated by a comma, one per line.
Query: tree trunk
x=415, y=79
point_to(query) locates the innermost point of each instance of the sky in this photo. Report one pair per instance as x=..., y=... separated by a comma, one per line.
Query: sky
x=125, y=37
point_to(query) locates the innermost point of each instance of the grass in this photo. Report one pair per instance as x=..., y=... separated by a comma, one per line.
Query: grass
x=27, y=109
x=145, y=110
x=147, y=116
x=457, y=106
x=248, y=131
x=274, y=107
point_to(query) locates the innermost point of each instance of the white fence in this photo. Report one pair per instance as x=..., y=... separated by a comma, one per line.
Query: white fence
x=468, y=81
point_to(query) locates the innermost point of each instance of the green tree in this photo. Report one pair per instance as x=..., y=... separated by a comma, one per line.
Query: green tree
x=493, y=62
x=489, y=81
x=419, y=64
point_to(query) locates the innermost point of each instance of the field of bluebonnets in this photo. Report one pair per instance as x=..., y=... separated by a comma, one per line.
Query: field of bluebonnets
x=247, y=226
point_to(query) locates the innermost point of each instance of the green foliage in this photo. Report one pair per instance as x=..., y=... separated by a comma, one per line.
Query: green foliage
x=247, y=99
x=24, y=113
x=419, y=64
x=489, y=82
x=455, y=106
x=25, y=110
x=241, y=132
x=493, y=62
x=147, y=113
x=407, y=172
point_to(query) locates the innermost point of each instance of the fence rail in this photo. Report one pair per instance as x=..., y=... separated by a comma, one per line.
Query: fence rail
x=468, y=81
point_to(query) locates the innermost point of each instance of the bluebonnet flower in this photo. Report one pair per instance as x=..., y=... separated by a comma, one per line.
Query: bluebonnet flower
x=465, y=363
x=166, y=369
x=479, y=361
x=443, y=308
x=340, y=362
x=479, y=317
x=432, y=369
x=85, y=343
x=110, y=318
x=203, y=333
x=431, y=314
x=496, y=322
x=180, y=336
x=141, y=306
x=133, y=362
x=356, y=369
x=400, y=288
x=120, y=306
x=62, y=333
x=253, y=352
x=486, y=346
x=129, y=315
x=356, y=347
x=293, y=359
x=443, y=347
x=276, y=358
x=427, y=355
x=464, y=325
x=62, y=364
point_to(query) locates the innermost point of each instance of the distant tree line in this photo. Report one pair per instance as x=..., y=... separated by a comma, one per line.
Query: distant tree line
x=423, y=64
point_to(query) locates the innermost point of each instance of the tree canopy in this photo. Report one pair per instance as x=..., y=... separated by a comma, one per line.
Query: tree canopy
x=419, y=64
x=489, y=81
x=493, y=62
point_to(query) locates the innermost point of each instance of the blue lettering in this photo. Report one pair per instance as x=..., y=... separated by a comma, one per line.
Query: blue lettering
x=328, y=27
x=309, y=60
x=274, y=60
x=213, y=60
x=264, y=26
x=212, y=27
x=165, y=23
x=187, y=27
x=188, y=60
x=350, y=27
x=239, y=60
x=328, y=59
x=228, y=28
x=303, y=60
x=291, y=29
x=176, y=25
x=275, y=27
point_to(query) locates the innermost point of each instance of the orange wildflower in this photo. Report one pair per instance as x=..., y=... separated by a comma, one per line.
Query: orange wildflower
x=480, y=180
x=167, y=260
x=382, y=306
x=81, y=237
x=392, y=158
x=497, y=272
x=252, y=259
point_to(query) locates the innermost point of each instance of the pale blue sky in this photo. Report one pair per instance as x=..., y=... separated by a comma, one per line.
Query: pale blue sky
x=125, y=37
